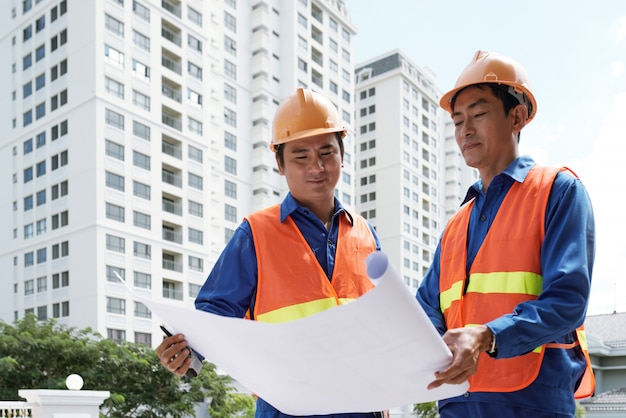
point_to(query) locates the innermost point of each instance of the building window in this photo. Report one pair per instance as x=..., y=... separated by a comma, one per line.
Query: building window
x=230, y=22
x=194, y=43
x=230, y=70
x=194, y=153
x=141, y=160
x=114, y=150
x=142, y=250
x=142, y=311
x=230, y=213
x=141, y=70
x=113, y=25
x=142, y=11
x=141, y=220
x=194, y=16
x=113, y=56
x=143, y=280
x=196, y=263
x=141, y=190
x=41, y=197
x=28, y=174
x=141, y=130
x=194, y=70
x=141, y=41
x=115, y=181
x=196, y=209
x=195, y=126
x=230, y=165
x=230, y=117
x=195, y=181
x=115, y=212
x=29, y=287
x=196, y=236
x=230, y=189
x=114, y=119
x=116, y=306
x=116, y=335
x=141, y=100
x=230, y=141
x=113, y=87
x=116, y=244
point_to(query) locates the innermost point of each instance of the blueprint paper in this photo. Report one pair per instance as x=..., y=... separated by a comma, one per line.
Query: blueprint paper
x=377, y=352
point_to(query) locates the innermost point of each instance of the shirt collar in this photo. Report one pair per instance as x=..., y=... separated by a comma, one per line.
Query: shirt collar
x=517, y=170
x=289, y=205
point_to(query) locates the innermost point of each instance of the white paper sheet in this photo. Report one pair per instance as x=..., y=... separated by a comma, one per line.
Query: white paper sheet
x=378, y=352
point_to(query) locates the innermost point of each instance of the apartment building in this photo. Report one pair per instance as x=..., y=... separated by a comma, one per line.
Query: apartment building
x=136, y=138
x=399, y=158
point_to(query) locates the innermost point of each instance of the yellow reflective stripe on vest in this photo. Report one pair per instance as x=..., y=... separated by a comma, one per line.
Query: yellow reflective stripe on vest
x=293, y=312
x=582, y=337
x=514, y=282
x=448, y=296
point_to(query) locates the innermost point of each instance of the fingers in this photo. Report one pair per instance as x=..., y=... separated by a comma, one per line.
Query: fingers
x=174, y=354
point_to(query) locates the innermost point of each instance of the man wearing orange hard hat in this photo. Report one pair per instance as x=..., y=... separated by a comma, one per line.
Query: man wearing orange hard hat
x=509, y=284
x=281, y=264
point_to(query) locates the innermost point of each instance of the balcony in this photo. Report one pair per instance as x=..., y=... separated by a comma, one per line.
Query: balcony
x=171, y=177
x=171, y=33
x=171, y=61
x=171, y=118
x=171, y=6
x=171, y=235
x=171, y=90
x=171, y=206
x=173, y=150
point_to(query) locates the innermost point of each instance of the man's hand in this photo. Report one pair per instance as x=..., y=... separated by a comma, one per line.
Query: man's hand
x=174, y=354
x=465, y=344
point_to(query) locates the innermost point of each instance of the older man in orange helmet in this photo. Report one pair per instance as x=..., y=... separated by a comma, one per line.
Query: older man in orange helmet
x=509, y=284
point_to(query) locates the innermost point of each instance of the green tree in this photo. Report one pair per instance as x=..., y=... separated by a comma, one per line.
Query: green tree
x=40, y=355
x=426, y=410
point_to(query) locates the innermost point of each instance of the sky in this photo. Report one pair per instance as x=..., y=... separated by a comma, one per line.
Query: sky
x=575, y=54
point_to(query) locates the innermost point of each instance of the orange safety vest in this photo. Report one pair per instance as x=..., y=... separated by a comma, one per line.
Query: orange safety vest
x=291, y=284
x=505, y=272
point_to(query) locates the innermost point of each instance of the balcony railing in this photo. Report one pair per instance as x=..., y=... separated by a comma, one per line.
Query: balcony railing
x=172, y=236
x=171, y=178
x=172, y=150
x=172, y=265
x=172, y=207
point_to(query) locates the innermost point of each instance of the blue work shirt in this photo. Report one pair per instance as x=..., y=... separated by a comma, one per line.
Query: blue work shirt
x=230, y=289
x=567, y=255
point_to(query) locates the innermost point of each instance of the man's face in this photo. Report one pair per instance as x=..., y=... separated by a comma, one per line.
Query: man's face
x=312, y=167
x=484, y=133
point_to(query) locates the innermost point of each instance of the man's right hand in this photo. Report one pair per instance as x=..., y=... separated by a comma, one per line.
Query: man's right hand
x=174, y=354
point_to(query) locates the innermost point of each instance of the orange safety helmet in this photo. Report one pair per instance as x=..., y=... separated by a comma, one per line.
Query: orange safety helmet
x=304, y=114
x=489, y=67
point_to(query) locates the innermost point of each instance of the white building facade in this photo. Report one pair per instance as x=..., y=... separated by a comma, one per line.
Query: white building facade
x=399, y=159
x=136, y=139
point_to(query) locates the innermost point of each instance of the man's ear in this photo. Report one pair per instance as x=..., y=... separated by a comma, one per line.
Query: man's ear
x=281, y=170
x=520, y=116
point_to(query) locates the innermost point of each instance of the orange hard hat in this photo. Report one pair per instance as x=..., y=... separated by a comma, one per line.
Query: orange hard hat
x=489, y=67
x=304, y=114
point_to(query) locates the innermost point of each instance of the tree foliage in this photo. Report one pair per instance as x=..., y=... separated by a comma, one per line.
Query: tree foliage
x=426, y=410
x=40, y=355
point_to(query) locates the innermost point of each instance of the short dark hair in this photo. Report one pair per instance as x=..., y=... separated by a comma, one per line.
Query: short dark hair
x=280, y=149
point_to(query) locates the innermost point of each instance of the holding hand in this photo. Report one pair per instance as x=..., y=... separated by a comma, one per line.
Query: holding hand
x=466, y=344
x=174, y=354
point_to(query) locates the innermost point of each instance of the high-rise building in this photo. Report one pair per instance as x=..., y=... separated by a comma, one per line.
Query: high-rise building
x=136, y=138
x=458, y=176
x=399, y=148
